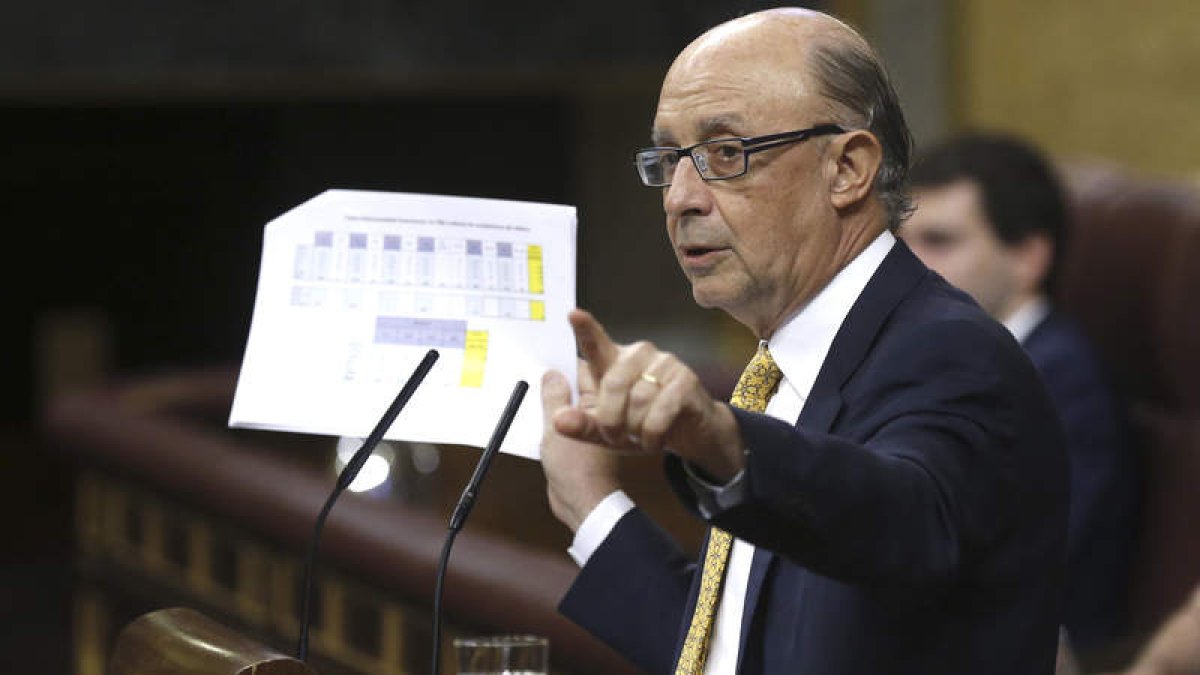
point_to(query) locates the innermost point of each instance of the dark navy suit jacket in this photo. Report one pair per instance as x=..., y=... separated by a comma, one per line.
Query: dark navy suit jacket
x=1105, y=482
x=912, y=522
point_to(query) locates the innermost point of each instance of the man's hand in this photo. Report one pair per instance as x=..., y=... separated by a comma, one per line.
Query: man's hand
x=636, y=397
x=579, y=475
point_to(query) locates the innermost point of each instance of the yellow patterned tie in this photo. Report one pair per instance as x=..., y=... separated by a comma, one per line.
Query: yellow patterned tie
x=753, y=390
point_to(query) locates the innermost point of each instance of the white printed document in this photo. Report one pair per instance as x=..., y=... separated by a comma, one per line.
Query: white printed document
x=355, y=287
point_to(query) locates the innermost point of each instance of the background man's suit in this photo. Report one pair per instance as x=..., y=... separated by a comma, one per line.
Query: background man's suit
x=1104, y=483
x=914, y=522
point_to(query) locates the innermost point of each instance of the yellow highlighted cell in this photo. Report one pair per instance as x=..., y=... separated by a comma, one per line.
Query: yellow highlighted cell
x=535, y=269
x=537, y=310
x=474, y=358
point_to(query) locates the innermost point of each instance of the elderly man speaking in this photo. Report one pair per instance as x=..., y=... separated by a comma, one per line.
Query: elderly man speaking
x=887, y=486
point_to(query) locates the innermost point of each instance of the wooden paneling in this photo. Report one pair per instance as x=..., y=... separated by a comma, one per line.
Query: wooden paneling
x=1098, y=78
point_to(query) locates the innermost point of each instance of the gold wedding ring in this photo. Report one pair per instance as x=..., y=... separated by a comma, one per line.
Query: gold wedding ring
x=650, y=378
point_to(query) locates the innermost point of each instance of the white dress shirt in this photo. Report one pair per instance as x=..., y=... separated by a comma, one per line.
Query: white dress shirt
x=1027, y=317
x=799, y=348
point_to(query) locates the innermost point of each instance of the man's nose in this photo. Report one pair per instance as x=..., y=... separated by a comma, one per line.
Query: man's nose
x=688, y=192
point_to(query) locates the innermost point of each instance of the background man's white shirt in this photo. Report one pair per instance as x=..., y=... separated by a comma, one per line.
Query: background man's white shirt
x=1027, y=317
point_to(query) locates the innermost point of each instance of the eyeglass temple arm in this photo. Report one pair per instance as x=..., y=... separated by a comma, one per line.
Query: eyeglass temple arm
x=773, y=140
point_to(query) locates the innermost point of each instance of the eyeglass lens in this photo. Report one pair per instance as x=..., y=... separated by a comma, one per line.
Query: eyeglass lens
x=657, y=166
x=715, y=159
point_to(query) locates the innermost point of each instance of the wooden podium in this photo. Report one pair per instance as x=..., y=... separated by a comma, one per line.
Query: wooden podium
x=182, y=641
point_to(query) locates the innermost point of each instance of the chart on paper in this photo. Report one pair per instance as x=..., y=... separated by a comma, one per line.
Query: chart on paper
x=355, y=286
x=420, y=275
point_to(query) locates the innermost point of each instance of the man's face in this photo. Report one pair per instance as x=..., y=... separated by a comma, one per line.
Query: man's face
x=950, y=233
x=758, y=245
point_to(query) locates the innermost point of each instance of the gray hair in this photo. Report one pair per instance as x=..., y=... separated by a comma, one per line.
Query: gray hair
x=852, y=77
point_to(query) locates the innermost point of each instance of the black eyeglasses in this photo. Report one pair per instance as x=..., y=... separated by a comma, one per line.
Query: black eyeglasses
x=718, y=159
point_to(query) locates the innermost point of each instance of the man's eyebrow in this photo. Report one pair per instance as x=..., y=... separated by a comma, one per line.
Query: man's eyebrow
x=721, y=125
x=711, y=127
x=660, y=138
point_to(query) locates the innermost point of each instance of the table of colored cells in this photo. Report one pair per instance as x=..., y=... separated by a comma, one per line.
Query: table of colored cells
x=354, y=287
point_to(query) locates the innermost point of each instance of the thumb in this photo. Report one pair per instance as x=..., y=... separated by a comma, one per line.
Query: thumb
x=595, y=346
x=556, y=393
x=557, y=412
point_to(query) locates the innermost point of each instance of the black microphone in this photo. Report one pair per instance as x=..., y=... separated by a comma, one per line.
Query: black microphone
x=345, y=478
x=463, y=509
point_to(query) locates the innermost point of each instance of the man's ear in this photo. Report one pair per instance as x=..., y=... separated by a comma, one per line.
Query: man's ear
x=857, y=155
x=1031, y=259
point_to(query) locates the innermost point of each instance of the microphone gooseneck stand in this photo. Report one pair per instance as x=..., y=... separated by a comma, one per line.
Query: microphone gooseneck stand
x=463, y=508
x=349, y=472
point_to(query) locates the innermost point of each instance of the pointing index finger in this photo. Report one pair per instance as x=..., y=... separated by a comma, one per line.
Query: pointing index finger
x=595, y=346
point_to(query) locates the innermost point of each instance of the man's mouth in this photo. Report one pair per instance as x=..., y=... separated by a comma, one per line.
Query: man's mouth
x=701, y=259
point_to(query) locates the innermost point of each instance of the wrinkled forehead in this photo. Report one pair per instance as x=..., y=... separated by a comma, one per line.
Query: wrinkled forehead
x=756, y=66
x=756, y=73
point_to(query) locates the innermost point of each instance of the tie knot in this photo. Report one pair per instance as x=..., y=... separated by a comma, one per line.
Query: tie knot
x=758, y=382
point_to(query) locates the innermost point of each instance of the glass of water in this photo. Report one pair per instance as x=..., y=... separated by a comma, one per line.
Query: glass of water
x=503, y=655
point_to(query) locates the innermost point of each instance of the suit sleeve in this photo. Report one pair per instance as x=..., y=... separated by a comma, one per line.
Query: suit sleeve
x=1100, y=484
x=638, y=566
x=929, y=460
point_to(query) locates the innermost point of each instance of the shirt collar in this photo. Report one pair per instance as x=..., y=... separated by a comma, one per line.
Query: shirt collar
x=800, y=345
x=1027, y=317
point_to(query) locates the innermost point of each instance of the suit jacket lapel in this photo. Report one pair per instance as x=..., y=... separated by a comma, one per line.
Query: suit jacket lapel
x=897, y=275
